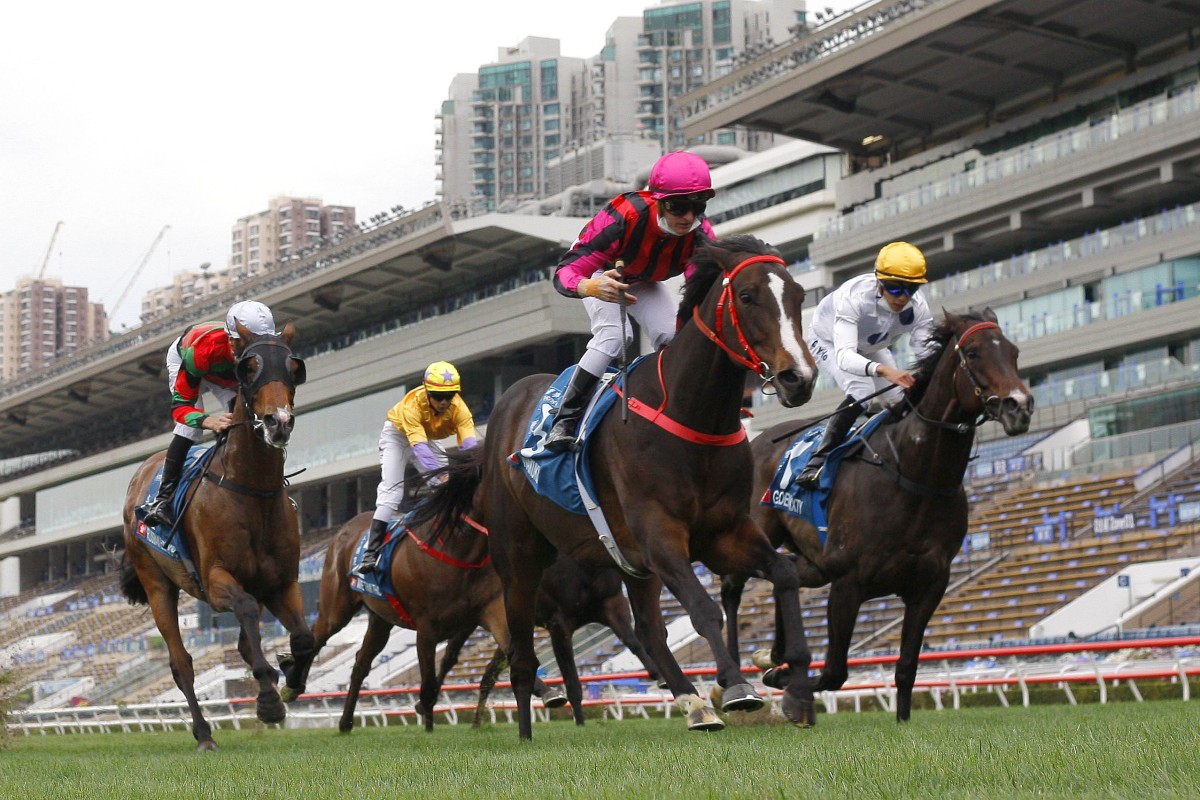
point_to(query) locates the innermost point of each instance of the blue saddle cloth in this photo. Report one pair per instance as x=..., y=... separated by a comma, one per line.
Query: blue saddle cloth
x=811, y=504
x=552, y=474
x=160, y=537
x=378, y=582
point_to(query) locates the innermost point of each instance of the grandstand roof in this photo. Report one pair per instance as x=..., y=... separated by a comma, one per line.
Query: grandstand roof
x=404, y=264
x=923, y=72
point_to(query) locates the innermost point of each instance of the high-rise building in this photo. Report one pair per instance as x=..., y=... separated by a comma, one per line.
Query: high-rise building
x=501, y=127
x=288, y=226
x=191, y=286
x=41, y=321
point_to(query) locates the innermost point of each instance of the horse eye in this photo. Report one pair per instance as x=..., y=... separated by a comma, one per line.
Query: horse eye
x=745, y=296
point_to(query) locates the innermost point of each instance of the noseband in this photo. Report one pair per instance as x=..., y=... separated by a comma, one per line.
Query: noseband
x=750, y=360
x=248, y=389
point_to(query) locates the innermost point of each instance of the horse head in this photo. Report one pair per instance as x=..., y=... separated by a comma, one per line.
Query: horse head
x=757, y=316
x=267, y=375
x=986, y=382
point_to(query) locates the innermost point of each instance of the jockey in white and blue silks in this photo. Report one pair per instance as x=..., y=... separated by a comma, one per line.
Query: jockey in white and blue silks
x=850, y=334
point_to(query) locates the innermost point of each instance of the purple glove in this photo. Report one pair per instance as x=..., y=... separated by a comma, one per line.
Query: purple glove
x=468, y=443
x=425, y=456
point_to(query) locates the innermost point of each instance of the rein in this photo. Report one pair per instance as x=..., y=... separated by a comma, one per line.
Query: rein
x=447, y=559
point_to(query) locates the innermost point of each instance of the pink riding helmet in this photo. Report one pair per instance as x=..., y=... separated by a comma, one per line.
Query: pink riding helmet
x=680, y=173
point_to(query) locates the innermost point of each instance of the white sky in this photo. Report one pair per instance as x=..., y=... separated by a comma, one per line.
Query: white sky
x=120, y=117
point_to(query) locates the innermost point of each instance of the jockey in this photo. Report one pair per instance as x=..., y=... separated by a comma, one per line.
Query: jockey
x=202, y=358
x=655, y=233
x=851, y=331
x=433, y=410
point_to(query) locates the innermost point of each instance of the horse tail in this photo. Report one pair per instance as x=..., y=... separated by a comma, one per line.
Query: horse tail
x=131, y=584
x=455, y=496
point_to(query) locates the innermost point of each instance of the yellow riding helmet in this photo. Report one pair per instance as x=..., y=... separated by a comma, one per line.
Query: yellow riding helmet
x=441, y=376
x=900, y=261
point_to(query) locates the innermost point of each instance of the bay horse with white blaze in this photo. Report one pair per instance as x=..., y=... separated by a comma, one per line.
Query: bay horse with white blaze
x=239, y=526
x=898, y=510
x=672, y=482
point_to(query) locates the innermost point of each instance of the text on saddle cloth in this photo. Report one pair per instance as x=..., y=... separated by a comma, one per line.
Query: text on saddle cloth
x=160, y=537
x=811, y=504
x=378, y=583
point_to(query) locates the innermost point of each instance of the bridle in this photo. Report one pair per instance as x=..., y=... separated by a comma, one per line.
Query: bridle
x=991, y=403
x=750, y=360
x=247, y=388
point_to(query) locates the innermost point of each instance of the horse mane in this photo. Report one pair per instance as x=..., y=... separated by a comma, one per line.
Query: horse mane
x=446, y=504
x=922, y=371
x=708, y=268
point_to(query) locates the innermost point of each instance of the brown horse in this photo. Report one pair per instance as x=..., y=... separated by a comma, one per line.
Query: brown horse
x=239, y=526
x=898, y=511
x=446, y=587
x=672, y=482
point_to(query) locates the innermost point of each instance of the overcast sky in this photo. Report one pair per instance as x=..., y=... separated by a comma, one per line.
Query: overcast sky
x=118, y=118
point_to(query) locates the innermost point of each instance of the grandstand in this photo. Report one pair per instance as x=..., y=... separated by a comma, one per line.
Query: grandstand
x=1068, y=204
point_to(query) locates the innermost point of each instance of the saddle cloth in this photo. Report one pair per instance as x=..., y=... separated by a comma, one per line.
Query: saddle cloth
x=811, y=504
x=157, y=536
x=553, y=474
x=378, y=583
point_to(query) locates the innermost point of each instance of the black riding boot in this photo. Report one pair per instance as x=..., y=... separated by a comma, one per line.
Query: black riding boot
x=374, y=541
x=570, y=409
x=835, y=432
x=158, y=511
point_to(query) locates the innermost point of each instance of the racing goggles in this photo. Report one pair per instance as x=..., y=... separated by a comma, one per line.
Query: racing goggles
x=899, y=288
x=680, y=206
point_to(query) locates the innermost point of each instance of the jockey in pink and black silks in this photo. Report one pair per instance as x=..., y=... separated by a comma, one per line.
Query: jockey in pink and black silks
x=654, y=233
x=201, y=359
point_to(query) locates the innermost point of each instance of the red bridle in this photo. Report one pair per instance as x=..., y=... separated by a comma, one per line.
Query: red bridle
x=750, y=360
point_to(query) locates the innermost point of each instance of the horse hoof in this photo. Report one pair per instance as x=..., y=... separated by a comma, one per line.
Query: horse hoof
x=776, y=677
x=801, y=713
x=208, y=745
x=704, y=719
x=716, y=694
x=287, y=694
x=741, y=697
x=345, y=727
x=271, y=710
x=762, y=659
x=554, y=697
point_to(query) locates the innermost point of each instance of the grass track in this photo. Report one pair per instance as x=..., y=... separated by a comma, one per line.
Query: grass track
x=1126, y=750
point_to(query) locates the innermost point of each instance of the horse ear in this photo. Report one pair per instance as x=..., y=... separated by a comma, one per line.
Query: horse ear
x=989, y=315
x=299, y=371
x=289, y=330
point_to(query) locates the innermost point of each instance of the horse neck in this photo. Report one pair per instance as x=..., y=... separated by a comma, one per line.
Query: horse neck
x=704, y=386
x=248, y=459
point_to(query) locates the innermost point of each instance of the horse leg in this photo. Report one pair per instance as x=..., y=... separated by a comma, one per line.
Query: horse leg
x=374, y=640
x=917, y=614
x=164, y=605
x=645, y=601
x=336, y=606
x=564, y=654
x=843, y=604
x=732, y=587
x=521, y=576
x=288, y=608
x=616, y=617
x=450, y=655
x=490, y=673
x=430, y=685
x=791, y=644
x=269, y=706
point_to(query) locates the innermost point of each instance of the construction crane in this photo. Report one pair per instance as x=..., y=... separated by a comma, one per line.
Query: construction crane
x=137, y=272
x=45, y=261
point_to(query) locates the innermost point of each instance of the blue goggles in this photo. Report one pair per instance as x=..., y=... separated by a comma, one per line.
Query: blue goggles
x=900, y=289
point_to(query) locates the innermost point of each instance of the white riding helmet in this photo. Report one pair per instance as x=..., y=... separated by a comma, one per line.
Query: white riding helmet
x=253, y=315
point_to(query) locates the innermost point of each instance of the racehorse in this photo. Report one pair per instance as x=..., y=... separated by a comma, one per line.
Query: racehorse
x=238, y=525
x=897, y=512
x=672, y=482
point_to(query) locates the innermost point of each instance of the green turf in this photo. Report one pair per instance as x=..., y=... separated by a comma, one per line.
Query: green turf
x=1126, y=750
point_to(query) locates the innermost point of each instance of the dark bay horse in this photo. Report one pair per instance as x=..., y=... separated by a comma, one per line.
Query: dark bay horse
x=898, y=510
x=239, y=526
x=672, y=482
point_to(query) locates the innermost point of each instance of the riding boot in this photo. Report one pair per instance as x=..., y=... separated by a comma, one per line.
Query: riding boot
x=836, y=428
x=570, y=409
x=159, y=511
x=370, y=559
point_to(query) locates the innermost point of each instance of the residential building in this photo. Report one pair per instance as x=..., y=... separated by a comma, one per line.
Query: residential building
x=41, y=321
x=288, y=227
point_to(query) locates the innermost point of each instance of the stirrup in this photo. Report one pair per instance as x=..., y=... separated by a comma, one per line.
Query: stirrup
x=369, y=564
x=563, y=441
x=810, y=479
x=158, y=513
